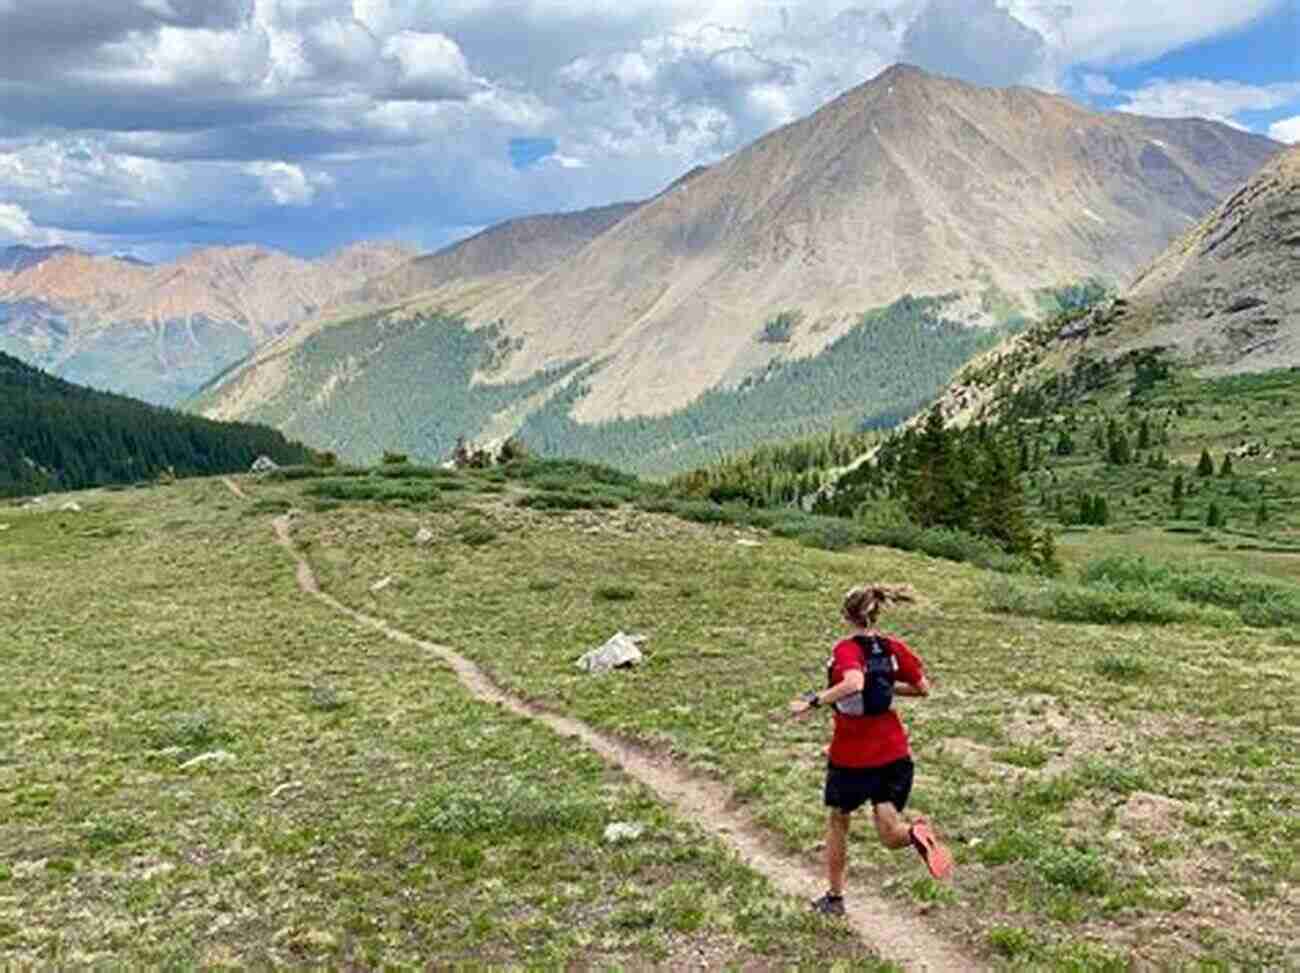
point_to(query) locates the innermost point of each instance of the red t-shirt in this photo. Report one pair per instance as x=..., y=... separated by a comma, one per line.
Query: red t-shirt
x=871, y=741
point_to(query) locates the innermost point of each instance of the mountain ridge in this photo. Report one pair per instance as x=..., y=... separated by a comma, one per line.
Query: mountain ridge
x=159, y=331
x=907, y=185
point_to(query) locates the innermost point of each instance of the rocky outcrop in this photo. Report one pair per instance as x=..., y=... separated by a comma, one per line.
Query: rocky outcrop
x=1226, y=296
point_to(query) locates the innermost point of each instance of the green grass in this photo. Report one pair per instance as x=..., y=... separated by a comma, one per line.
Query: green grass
x=367, y=812
x=1066, y=760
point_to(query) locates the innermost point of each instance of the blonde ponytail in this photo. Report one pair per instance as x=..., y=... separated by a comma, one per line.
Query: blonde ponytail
x=862, y=605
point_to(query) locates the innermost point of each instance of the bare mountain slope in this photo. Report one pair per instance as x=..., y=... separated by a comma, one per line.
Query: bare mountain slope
x=673, y=319
x=159, y=332
x=1224, y=299
x=909, y=183
x=531, y=245
x=1227, y=295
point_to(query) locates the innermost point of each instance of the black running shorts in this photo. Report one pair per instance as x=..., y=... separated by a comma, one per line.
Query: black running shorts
x=848, y=788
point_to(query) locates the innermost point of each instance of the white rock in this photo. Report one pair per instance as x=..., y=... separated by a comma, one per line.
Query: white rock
x=71, y=507
x=381, y=584
x=749, y=542
x=4, y=527
x=292, y=785
x=213, y=757
x=620, y=831
x=264, y=464
x=620, y=651
x=424, y=536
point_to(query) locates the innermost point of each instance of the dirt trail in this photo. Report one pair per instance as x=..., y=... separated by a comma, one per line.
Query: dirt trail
x=234, y=488
x=897, y=937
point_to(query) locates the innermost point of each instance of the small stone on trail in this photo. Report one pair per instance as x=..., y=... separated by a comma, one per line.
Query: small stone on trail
x=424, y=536
x=381, y=584
x=214, y=757
x=621, y=831
x=621, y=651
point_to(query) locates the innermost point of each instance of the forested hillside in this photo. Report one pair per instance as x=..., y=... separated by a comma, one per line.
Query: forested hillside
x=58, y=436
x=889, y=365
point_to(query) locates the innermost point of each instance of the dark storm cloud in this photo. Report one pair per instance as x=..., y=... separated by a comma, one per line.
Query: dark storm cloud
x=973, y=40
x=38, y=36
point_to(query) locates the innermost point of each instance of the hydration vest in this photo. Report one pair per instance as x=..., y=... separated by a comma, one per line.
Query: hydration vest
x=879, y=668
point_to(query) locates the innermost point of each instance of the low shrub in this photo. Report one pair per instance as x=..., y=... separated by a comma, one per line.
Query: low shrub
x=566, y=501
x=1011, y=941
x=1121, y=667
x=1066, y=602
x=615, y=592
x=289, y=473
x=476, y=535
x=1079, y=870
x=836, y=536
x=1261, y=602
x=375, y=489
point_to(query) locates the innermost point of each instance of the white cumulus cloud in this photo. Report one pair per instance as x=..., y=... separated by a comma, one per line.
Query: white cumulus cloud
x=284, y=182
x=1198, y=97
x=429, y=67
x=1287, y=130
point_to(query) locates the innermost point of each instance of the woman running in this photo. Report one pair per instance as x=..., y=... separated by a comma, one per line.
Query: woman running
x=869, y=755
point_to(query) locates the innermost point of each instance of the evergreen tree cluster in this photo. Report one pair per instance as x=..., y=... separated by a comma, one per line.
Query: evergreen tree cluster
x=966, y=479
x=58, y=436
x=775, y=475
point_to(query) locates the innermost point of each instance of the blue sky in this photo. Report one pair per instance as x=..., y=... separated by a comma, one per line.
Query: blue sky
x=155, y=126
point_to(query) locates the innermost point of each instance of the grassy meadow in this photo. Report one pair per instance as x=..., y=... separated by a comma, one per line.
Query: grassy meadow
x=199, y=767
x=1114, y=793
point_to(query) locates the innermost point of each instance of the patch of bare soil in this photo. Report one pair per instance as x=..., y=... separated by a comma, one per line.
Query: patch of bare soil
x=234, y=488
x=901, y=938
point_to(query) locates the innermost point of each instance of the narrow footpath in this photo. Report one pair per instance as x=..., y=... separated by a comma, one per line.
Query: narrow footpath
x=881, y=924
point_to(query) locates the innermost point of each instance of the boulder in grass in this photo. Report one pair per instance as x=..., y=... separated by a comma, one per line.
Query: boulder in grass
x=71, y=507
x=424, y=536
x=621, y=831
x=264, y=464
x=620, y=652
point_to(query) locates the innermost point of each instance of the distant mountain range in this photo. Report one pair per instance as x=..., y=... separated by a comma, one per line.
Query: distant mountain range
x=158, y=332
x=649, y=323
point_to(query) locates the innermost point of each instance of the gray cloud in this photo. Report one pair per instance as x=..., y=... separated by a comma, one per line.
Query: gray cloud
x=974, y=40
x=305, y=123
x=40, y=35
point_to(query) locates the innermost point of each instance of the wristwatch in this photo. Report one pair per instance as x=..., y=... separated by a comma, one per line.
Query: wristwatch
x=812, y=699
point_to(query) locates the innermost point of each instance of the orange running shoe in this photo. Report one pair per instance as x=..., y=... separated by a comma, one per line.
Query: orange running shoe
x=933, y=852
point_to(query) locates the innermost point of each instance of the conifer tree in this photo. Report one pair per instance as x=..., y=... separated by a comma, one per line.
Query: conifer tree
x=1144, y=434
x=1226, y=468
x=1206, y=466
x=1214, y=515
x=1262, y=514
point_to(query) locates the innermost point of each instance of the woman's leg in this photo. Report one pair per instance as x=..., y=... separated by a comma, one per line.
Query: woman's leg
x=837, y=835
x=896, y=832
x=893, y=828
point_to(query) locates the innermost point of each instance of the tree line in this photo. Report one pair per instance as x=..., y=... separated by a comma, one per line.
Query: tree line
x=58, y=436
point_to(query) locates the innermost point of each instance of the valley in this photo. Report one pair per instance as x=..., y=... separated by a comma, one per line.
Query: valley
x=227, y=771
